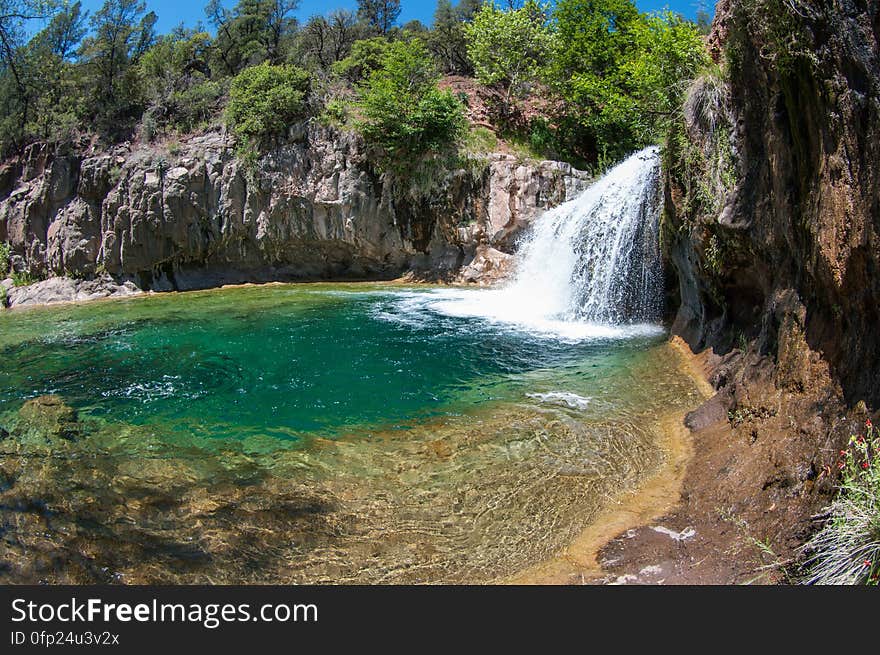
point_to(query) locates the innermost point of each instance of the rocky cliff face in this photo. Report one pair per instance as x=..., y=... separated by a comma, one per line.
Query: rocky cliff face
x=773, y=191
x=772, y=218
x=313, y=209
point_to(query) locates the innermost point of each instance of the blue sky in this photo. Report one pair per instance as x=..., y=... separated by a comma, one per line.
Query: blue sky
x=173, y=12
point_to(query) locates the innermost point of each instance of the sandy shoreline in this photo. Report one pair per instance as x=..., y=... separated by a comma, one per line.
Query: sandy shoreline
x=579, y=562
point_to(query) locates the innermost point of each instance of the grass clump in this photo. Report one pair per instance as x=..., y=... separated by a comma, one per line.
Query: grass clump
x=23, y=278
x=846, y=551
x=5, y=251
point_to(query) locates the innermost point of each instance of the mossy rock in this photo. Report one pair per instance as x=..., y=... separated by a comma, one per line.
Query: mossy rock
x=45, y=420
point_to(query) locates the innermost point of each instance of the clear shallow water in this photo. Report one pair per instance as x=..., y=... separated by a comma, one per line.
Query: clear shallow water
x=322, y=433
x=294, y=363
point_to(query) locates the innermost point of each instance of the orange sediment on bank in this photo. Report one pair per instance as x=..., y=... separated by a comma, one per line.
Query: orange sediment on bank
x=658, y=495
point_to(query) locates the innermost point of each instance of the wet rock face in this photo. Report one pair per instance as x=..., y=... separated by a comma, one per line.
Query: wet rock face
x=788, y=257
x=314, y=208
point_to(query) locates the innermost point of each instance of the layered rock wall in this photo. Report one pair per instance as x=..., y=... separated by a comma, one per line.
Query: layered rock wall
x=194, y=216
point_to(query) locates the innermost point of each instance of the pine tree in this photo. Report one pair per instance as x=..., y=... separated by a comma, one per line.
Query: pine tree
x=381, y=15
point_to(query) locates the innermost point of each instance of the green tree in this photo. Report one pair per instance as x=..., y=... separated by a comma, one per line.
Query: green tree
x=366, y=56
x=17, y=83
x=620, y=74
x=467, y=9
x=509, y=47
x=176, y=82
x=405, y=116
x=325, y=41
x=121, y=34
x=447, y=39
x=252, y=32
x=58, y=99
x=668, y=54
x=414, y=28
x=380, y=15
x=264, y=101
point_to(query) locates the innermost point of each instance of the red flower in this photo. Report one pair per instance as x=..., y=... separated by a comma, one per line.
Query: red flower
x=868, y=424
x=864, y=465
x=867, y=562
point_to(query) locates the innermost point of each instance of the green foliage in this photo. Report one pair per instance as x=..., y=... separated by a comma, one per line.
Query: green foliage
x=264, y=101
x=479, y=141
x=176, y=83
x=620, y=73
x=57, y=103
x=601, y=78
x=847, y=549
x=405, y=116
x=509, y=47
x=5, y=251
x=366, y=56
x=447, y=40
x=23, y=278
x=251, y=32
x=380, y=15
x=325, y=41
x=337, y=113
x=121, y=34
x=25, y=69
x=669, y=52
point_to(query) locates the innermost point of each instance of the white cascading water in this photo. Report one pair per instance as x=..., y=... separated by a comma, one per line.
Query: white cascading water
x=590, y=268
x=597, y=257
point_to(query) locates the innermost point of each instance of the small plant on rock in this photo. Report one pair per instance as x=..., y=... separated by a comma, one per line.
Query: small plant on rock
x=23, y=278
x=5, y=251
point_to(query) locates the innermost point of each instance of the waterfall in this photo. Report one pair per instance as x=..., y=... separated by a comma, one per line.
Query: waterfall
x=590, y=268
x=597, y=258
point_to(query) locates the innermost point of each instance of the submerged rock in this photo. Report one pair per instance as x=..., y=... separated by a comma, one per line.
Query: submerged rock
x=46, y=419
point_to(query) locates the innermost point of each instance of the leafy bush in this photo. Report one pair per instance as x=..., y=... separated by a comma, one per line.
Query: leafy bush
x=23, y=278
x=366, y=56
x=847, y=549
x=404, y=115
x=264, y=101
x=5, y=251
x=509, y=47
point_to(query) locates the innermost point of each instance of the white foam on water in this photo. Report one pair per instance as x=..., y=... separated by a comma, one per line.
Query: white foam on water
x=572, y=400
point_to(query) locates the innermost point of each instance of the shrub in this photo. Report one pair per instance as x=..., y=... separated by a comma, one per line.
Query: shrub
x=404, y=115
x=847, y=549
x=5, y=250
x=264, y=101
x=366, y=56
x=23, y=278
